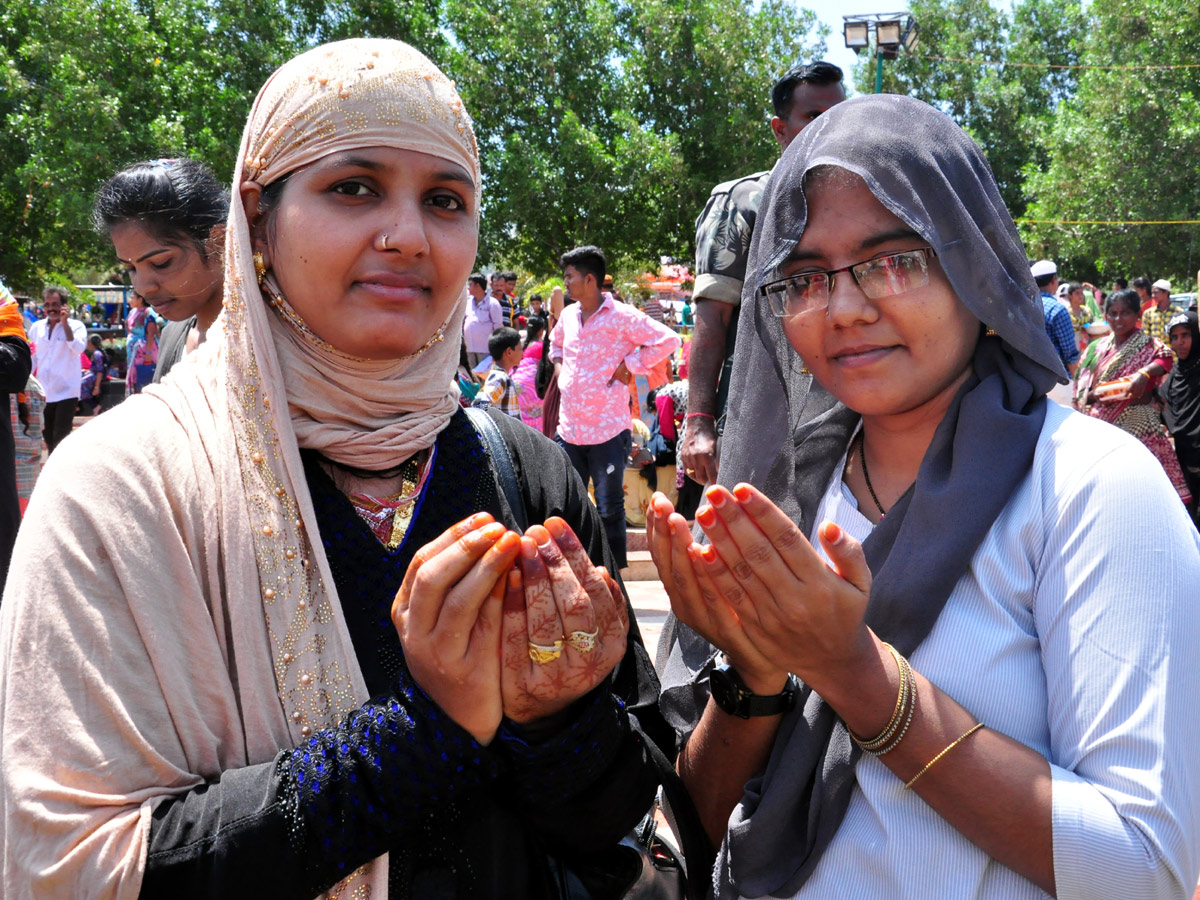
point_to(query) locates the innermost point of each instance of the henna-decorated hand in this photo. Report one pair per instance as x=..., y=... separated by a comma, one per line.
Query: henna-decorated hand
x=555, y=593
x=447, y=613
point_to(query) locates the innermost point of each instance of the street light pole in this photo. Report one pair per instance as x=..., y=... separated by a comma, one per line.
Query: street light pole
x=893, y=32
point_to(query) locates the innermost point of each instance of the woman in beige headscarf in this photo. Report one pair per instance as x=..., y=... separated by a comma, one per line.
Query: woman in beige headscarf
x=227, y=702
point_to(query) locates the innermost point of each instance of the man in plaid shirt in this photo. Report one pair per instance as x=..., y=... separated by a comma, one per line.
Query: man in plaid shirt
x=1155, y=319
x=499, y=390
x=1058, y=318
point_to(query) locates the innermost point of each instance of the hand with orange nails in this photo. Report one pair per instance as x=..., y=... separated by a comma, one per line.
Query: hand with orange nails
x=761, y=592
x=448, y=615
x=556, y=598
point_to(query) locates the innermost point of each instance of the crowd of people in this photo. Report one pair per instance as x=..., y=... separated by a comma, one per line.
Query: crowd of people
x=324, y=607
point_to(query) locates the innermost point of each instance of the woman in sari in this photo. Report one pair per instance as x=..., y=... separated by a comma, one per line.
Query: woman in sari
x=525, y=374
x=1181, y=413
x=1137, y=362
x=92, y=386
x=918, y=656
x=343, y=672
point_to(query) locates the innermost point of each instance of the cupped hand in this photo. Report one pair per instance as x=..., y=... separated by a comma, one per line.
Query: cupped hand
x=447, y=613
x=559, y=601
x=695, y=600
x=799, y=613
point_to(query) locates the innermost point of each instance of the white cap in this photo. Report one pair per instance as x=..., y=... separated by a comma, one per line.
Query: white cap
x=1162, y=283
x=1063, y=289
x=1042, y=268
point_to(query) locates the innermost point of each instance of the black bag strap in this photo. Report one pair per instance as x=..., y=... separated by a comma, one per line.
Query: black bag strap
x=502, y=462
x=697, y=851
x=698, y=855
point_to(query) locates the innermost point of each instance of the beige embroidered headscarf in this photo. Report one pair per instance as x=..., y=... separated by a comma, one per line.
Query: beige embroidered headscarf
x=193, y=627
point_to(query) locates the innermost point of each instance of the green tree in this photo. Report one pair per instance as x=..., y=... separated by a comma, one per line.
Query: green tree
x=103, y=83
x=1003, y=107
x=608, y=123
x=564, y=161
x=701, y=71
x=1126, y=147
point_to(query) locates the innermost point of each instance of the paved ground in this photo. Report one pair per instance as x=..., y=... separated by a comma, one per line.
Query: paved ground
x=651, y=607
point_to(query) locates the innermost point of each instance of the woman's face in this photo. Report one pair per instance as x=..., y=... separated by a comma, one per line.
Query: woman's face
x=173, y=276
x=1181, y=341
x=1122, y=320
x=325, y=242
x=899, y=354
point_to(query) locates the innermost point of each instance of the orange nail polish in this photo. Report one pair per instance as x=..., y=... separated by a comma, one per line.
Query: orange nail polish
x=706, y=516
x=708, y=554
x=509, y=543
x=742, y=492
x=715, y=496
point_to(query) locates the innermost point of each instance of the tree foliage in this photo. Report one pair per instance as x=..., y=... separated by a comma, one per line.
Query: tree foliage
x=99, y=84
x=608, y=121
x=1126, y=147
x=1003, y=107
x=602, y=121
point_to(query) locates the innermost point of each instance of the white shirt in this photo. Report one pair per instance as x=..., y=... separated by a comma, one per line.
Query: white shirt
x=56, y=357
x=1075, y=631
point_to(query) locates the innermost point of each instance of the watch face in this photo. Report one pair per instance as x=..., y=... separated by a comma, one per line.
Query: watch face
x=724, y=689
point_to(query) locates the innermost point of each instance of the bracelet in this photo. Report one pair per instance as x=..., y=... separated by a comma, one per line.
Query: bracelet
x=881, y=738
x=906, y=703
x=929, y=765
x=700, y=415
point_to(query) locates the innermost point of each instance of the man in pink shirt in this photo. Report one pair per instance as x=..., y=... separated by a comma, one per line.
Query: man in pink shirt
x=598, y=345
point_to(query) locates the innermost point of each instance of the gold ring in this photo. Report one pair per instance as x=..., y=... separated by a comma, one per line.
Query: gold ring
x=542, y=654
x=583, y=641
x=689, y=471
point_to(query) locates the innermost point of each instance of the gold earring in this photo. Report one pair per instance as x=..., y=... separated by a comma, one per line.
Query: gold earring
x=260, y=268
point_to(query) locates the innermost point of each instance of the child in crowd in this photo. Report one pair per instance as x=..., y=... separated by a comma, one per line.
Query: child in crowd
x=498, y=390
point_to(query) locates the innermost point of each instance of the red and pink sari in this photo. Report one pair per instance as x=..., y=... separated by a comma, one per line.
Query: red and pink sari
x=1104, y=361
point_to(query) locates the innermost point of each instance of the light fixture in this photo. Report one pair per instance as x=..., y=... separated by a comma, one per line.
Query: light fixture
x=887, y=34
x=910, y=35
x=858, y=35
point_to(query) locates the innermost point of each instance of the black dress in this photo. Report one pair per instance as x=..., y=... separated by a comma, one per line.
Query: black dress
x=398, y=776
x=15, y=365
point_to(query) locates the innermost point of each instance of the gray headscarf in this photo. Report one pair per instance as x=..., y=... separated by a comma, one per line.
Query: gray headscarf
x=786, y=435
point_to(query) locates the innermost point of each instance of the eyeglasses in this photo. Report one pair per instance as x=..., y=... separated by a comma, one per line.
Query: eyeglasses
x=883, y=276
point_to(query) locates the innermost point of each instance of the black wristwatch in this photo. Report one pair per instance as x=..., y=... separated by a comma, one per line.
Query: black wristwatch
x=732, y=696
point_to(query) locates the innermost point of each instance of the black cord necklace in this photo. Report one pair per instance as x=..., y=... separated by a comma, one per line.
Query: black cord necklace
x=862, y=456
x=410, y=469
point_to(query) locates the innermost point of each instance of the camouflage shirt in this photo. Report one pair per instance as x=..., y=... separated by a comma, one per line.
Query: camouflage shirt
x=723, y=234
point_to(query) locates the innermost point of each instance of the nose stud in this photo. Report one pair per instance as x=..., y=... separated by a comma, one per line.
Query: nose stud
x=383, y=241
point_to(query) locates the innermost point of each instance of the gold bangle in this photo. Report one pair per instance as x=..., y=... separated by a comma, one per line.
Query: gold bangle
x=896, y=713
x=906, y=703
x=929, y=765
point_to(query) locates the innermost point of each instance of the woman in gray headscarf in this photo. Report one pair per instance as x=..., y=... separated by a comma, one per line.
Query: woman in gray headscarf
x=1029, y=730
